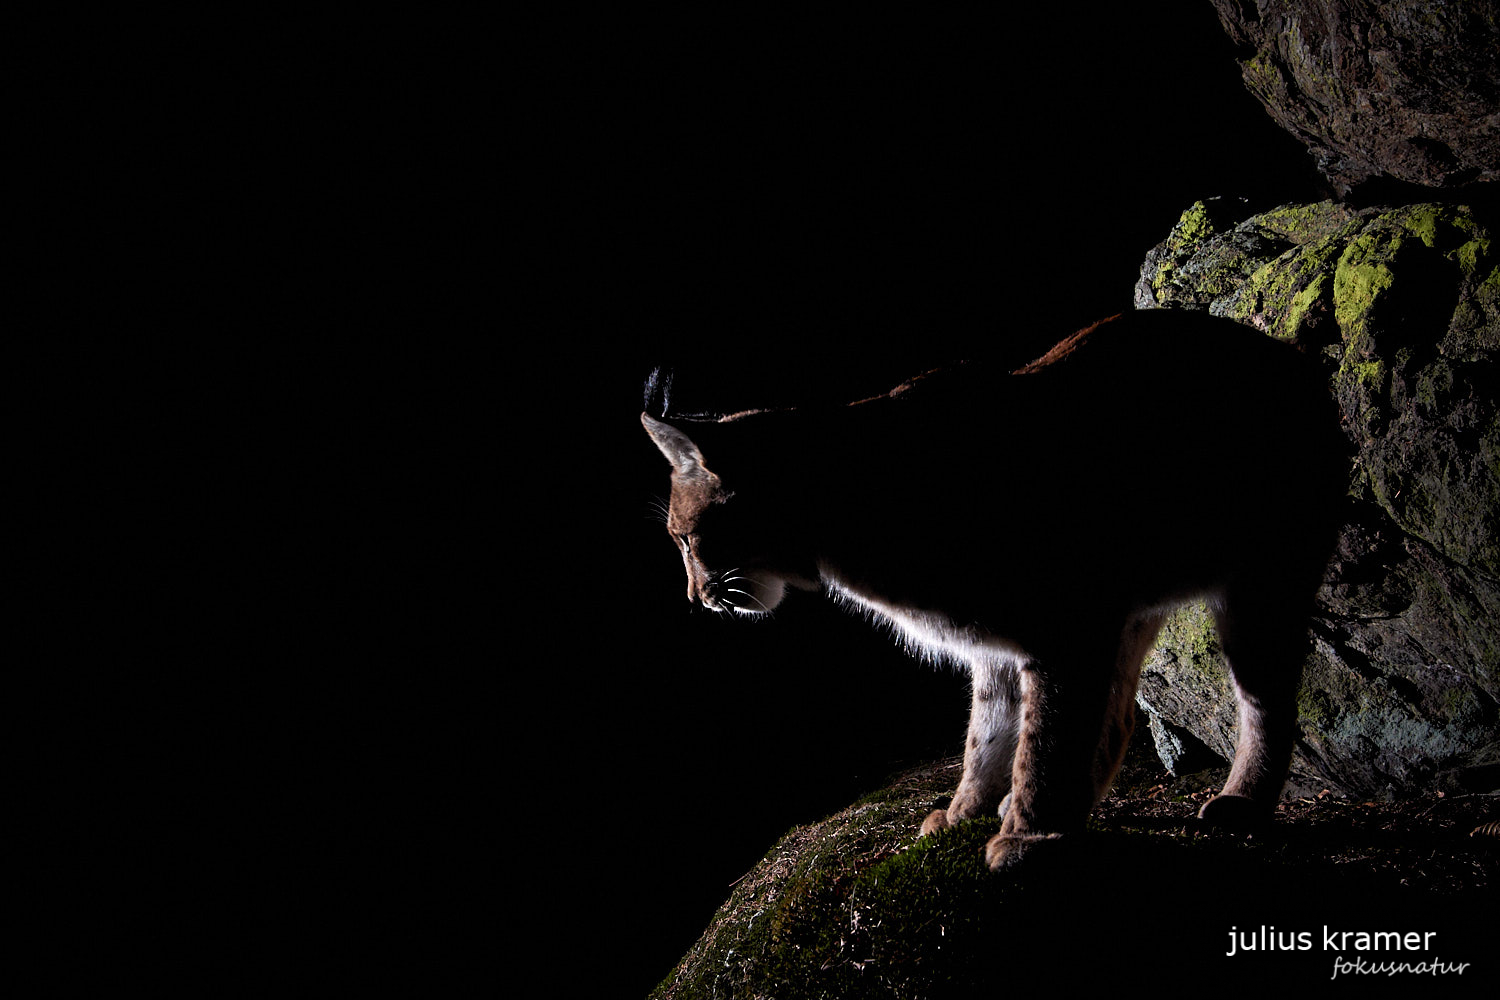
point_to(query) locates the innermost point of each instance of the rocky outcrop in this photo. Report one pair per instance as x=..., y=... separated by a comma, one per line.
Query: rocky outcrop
x=1403, y=305
x=1407, y=90
x=858, y=905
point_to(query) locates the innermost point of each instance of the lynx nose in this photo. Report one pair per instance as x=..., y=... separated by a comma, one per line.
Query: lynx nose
x=704, y=593
x=709, y=595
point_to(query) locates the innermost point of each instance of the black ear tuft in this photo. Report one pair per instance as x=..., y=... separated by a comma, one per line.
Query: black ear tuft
x=659, y=391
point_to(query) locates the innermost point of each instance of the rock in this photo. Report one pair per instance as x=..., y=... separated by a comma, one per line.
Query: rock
x=1177, y=748
x=1407, y=90
x=858, y=905
x=1403, y=304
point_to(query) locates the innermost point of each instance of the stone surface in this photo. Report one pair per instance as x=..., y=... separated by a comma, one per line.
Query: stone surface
x=1407, y=90
x=1403, y=304
x=857, y=905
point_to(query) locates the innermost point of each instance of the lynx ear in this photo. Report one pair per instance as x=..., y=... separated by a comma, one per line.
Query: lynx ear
x=685, y=457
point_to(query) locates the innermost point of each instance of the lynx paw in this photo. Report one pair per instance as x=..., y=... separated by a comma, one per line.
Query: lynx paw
x=935, y=821
x=1234, y=812
x=966, y=804
x=1005, y=850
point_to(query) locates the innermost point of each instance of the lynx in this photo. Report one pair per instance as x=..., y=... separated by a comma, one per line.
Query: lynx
x=1034, y=528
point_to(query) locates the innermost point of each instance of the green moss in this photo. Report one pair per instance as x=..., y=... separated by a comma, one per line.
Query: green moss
x=1423, y=221
x=1304, y=223
x=1260, y=74
x=1291, y=218
x=881, y=796
x=1285, y=291
x=1469, y=254
x=901, y=888
x=1282, y=294
x=826, y=924
x=1461, y=703
x=1313, y=709
x=1189, y=633
x=1292, y=264
x=1451, y=230
x=1360, y=278
x=1200, y=630
x=1194, y=225
x=1370, y=374
x=1192, y=228
x=1435, y=383
x=1302, y=301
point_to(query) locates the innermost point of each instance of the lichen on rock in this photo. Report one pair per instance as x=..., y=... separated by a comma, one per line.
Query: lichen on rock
x=1402, y=305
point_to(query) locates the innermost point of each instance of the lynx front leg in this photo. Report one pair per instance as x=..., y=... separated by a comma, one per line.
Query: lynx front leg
x=989, y=751
x=1064, y=758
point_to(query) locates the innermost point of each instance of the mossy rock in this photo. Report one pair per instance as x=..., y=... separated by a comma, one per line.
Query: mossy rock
x=1403, y=304
x=1198, y=697
x=859, y=906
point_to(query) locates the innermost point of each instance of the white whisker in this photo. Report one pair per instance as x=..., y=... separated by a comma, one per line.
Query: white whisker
x=659, y=510
x=736, y=590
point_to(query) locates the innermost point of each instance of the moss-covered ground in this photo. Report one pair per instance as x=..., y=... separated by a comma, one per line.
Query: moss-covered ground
x=859, y=906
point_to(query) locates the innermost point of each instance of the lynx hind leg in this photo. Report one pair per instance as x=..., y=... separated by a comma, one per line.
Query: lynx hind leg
x=1078, y=712
x=1137, y=639
x=1265, y=642
x=990, y=749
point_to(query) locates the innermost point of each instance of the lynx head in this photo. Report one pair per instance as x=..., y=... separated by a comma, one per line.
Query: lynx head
x=720, y=534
